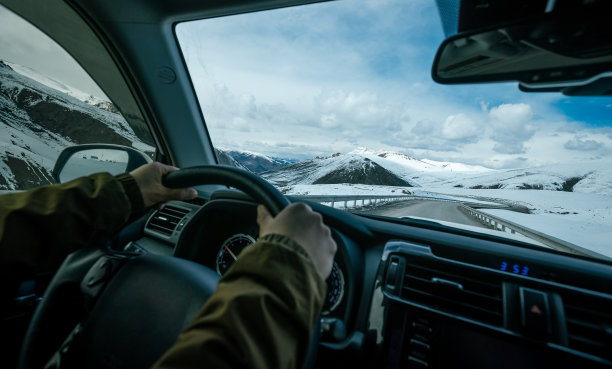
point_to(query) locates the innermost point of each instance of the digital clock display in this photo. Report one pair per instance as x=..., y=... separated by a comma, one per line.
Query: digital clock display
x=506, y=266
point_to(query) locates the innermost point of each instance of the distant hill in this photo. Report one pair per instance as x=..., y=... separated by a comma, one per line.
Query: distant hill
x=255, y=162
x=590, y=177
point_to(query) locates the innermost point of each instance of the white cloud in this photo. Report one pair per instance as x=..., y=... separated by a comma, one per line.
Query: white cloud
x=349, y=109
x=459, y=127
x=511, y=114
x=511, y=127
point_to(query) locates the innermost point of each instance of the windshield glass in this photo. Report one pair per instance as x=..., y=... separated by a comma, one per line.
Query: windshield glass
x=335, y=102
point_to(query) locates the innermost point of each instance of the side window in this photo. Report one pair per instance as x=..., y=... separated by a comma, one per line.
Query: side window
x=47, y=103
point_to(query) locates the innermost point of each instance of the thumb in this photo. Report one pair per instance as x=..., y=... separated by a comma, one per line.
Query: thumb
x=263, y=216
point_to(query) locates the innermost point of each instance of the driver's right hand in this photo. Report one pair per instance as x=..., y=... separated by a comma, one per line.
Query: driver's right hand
x=304, y=226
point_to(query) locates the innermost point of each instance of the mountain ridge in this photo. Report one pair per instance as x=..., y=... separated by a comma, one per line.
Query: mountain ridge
x=592, y=178
x=39, y=121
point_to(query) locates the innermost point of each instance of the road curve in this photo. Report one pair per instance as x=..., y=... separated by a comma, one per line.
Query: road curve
x=430, y=209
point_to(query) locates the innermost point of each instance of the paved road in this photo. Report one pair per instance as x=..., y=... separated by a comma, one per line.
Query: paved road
x=436, y=210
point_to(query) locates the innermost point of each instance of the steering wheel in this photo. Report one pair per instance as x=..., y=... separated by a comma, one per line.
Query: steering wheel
x=107, y=309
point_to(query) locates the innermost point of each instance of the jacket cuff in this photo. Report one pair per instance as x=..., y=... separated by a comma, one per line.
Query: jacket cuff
x=285, y=241
x=132, y=191
x=288, y=243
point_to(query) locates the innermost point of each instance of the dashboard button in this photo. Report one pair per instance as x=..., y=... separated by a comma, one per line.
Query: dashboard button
x=535, y=313
x=395, y=274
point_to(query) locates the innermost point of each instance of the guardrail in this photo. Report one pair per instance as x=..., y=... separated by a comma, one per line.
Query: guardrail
x=503, y=225
x=353, y=200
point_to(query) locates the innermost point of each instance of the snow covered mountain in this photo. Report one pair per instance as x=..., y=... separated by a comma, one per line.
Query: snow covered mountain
x=421, y=165
x=226, y=159
x=39, y=121
x=59, y=86
x=590, y=177
x=339, y=168
x=363, y=166
x=255, y=162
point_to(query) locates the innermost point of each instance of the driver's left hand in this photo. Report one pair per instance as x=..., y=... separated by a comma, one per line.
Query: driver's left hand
x=149, y=179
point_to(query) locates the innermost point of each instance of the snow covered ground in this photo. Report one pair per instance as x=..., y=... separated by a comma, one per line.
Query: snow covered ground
x=345, y=189
x=580, y=214
x=584, y=219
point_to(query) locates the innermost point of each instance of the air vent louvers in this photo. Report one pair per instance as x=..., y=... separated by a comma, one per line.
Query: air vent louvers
x=589, y=323
x=454, y=289
x=165, y=221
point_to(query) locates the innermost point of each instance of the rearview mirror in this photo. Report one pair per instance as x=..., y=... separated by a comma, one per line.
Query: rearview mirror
x=554, y=49
x=82, y=160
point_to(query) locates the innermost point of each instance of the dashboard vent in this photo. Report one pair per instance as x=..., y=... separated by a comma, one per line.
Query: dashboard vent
x=454, y=289
x=589, y=323
x=165, y=220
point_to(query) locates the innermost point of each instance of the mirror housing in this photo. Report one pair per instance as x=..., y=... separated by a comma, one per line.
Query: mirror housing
x=542, y=52
x=81, y=160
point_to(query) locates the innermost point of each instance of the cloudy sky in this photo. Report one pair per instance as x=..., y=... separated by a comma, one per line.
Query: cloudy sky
x=24, y=44
x=331, y=77
x=326, y=78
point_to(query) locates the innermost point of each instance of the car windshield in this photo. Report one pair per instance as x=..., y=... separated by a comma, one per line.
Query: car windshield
x=334, y=102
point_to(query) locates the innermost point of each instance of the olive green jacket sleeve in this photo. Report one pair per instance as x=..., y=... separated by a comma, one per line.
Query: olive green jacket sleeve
x=39, y=227
x=261, y=315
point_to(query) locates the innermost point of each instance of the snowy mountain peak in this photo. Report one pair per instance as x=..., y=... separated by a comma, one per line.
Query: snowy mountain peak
x=344, y=168
x=426, y=165
x=363, y=150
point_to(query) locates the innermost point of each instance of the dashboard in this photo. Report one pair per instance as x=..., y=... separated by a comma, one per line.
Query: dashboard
x=406, y=294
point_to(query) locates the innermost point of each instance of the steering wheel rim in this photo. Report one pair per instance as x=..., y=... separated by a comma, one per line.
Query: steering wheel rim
x=78, y=266
x=256, y=187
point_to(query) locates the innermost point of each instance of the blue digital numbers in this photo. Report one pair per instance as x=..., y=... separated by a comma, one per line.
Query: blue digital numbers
x=514, y=268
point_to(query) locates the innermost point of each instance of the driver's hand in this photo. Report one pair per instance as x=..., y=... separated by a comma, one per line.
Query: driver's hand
x=149, y=179
x=300, y=223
